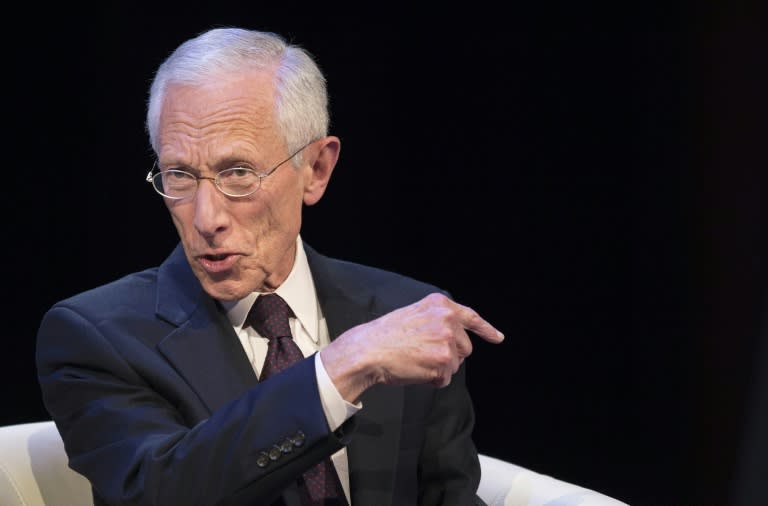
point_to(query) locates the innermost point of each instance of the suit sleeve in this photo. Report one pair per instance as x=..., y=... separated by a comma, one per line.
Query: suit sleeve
x=136, y=445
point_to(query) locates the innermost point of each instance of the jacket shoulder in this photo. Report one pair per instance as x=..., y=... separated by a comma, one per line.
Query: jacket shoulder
x=391, y=289
x=136, y=289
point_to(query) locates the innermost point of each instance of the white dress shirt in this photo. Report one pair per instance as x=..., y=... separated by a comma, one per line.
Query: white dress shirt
x=310, y=333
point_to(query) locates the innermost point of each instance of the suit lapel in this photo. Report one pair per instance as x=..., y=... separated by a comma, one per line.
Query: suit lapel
x=204, y=338
x=373, y=451
x=197, y=349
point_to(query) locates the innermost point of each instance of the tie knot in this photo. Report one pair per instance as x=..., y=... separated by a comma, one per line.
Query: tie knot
x=269, y=316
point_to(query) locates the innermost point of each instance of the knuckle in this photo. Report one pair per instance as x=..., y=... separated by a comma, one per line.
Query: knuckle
x=444, y=354
x=435, y=297
x=473, y=318
x=445, y=334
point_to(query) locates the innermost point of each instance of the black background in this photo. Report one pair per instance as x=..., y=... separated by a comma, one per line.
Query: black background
x=589, y=178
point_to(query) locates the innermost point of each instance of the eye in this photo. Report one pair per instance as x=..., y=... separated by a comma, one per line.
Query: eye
x=236, y=174
x=179, y=175
x=240, y=172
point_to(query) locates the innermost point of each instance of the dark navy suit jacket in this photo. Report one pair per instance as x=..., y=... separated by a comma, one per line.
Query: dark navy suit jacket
x=158, y=404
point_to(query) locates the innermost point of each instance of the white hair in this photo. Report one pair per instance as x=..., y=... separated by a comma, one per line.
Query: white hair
x=301, y=104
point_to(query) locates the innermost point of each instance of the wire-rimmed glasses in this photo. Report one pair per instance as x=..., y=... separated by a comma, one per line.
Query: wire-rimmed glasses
x=179, y=184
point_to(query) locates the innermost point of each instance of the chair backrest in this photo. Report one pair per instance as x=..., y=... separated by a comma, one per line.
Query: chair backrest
x=34, y=470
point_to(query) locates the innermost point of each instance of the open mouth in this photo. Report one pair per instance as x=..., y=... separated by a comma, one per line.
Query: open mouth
x=216, y=258
x=217, y=263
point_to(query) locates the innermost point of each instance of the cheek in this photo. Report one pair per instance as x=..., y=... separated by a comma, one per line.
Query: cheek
x=289, y=215
x=182, y=217
x=278, y=210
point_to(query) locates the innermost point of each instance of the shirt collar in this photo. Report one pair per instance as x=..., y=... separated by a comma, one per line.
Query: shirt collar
x=298, y=290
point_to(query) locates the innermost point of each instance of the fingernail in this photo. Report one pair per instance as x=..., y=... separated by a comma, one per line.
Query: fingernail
x=500, y=335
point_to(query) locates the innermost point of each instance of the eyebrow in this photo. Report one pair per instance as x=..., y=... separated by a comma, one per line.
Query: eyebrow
x=226, y=163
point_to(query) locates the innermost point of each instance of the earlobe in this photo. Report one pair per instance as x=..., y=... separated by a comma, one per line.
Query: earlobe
x=321, y=166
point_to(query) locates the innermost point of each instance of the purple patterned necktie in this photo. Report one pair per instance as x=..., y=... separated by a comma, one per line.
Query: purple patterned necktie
x=269, y=315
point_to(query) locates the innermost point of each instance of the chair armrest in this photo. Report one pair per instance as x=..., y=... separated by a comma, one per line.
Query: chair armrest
x=503, y=483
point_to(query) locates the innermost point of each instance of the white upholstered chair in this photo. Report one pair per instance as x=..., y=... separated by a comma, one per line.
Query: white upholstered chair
x=503, y=483
x=34, y=472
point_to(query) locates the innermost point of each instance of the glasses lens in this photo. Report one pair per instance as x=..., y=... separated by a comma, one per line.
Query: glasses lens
x=238, y=181
x=175, y=184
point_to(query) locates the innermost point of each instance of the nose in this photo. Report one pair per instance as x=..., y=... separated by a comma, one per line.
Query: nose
x=211, y=214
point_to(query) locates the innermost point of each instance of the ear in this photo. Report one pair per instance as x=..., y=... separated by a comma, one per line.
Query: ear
x=322, y=159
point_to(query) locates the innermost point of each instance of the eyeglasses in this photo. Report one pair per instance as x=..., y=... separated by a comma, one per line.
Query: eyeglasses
x=234, y=182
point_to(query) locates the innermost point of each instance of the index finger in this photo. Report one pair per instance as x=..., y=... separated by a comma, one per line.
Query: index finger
x=472, y=321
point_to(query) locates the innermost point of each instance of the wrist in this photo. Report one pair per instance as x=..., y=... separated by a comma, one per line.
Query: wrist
x=348, y=370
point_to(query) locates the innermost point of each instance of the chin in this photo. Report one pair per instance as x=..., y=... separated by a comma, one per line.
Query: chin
x=225, y=290
x=225, y=295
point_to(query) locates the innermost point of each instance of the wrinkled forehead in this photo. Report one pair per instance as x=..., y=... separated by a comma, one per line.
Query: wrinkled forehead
x=232, y=110
x=247, y=96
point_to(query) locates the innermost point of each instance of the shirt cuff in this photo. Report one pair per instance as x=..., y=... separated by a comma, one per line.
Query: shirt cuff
x=336, y=409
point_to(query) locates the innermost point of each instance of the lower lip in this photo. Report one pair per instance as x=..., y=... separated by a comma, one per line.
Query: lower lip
x=217, y=266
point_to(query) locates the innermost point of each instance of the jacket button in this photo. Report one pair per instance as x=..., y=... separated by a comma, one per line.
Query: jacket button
x=262, y=460
x=286, y=446
x=298, y=439
x=275, y=453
